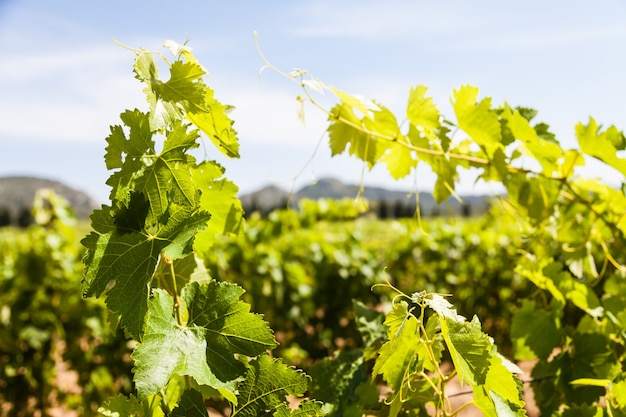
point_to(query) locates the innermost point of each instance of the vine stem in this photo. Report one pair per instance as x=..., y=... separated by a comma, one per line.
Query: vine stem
x=174, y=294
x=164, y=406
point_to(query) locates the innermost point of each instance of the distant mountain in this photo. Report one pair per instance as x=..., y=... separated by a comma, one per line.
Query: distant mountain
x=271, y=197
x=17, y=193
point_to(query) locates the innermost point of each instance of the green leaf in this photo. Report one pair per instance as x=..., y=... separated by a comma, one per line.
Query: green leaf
x=215, y=123
x=184, y=86
x=191, y=405
x=602, y=145
x=123, y=406
x=398, y=158
x=266, y=384
x=469, y=348
x=168, y=178
x=536, y=328
x=422, y=112
x=396, y=319
x=230, y=327
x=306, y=408
x=123, y=152
x=337, y=380
x=443, y=307
x=502, y=392
x=382, y=122
x=534, y=269
x=370, y=324
x=477, y=119
x=342, y=132
x=111, y=251
x=447, y=176
x=547, y=153
x=219, y=197
x=398, y=355
x=618, y=394
x=164, y=177
x=169, y=349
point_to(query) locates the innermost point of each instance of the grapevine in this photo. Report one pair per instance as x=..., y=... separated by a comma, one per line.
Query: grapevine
x=199, y=344
x=196, y=340
x=574, y=226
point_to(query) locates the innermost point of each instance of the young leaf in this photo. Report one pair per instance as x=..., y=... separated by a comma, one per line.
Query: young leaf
x=443, y=307
x=469, y=348
x=169, y=349
x=477, y=119
x=342, y=134
x=266, y=384
x=602, y=145
x=398, y=355
x=398, y=158
x=215, y=123
x=422, y=112
x=184, y=86
x=219, y=197
x=547, y=153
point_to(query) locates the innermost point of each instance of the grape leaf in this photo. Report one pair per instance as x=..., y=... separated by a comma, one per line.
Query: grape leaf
x=477, y=119
x=230, y=327
x=184, y=86
x=169, y=349
x=370, y=324
x=219, y=197
x=501, y=394
x=191, y=405
x=215, y=123
x=164, y=177
x=306, y=408
x=399, y=159
x=536, y=328
x=123, y=152
x=336, y=380
x=396, y=319
x=398, y=354
x=422, y=112
x=161, y=113
x=266, y=384
x=110, y=252
x=469, y=348
x=340, y=134
x=122, y=406
x=545, y=152
x=168, y=178
x=382, y=122
x=443, y=307
x=602, y=146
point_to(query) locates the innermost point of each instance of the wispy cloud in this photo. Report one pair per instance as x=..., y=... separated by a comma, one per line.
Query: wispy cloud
x=69, y=95
x=459, y=24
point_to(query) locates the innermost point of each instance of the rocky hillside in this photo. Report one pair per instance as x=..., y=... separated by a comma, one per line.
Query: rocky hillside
x=17, y=193
x=271, y=197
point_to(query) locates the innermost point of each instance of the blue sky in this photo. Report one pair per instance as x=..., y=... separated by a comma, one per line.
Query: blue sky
x=63, y=80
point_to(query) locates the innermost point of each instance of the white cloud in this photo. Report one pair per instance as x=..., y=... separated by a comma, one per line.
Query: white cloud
x=73, y=94
x=459, y=25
